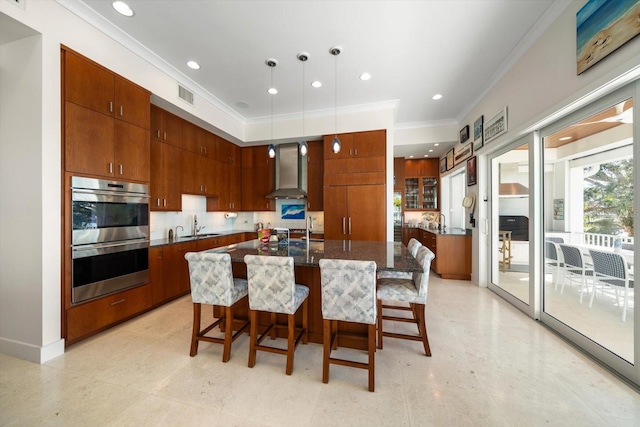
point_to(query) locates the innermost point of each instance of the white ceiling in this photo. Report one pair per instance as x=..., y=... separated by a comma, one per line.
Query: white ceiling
x=413, y=50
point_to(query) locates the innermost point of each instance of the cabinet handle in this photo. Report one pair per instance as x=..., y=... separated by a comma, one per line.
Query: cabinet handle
x=344, y=225
x=118, y=302
x=121, y=111
x=110, y=167
x=349, y=225
x=110, y=106
x=158, y=202
x=120, y=169
x=165, y=136
x=164, y=202
x=350, y=152
x=158, y=133
x=356, y=151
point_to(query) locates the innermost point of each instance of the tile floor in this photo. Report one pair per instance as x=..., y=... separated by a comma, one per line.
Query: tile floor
x=491, y=366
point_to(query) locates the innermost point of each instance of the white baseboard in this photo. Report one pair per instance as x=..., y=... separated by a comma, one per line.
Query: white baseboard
x=30, y=352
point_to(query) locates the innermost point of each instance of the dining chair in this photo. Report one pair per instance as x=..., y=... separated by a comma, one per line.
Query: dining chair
x=553, y=260
x=611, y=271
x=412, y=291
x=554, y=239
x=575, y=266
x=412, y=247
x=272, y=289
x=348, y=291
x=212, y=283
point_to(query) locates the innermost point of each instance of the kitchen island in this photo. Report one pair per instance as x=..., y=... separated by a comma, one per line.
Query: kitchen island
x=452, y=249
x=306, y=256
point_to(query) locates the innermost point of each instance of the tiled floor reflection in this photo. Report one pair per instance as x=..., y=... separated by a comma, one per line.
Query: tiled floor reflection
x=491, y=366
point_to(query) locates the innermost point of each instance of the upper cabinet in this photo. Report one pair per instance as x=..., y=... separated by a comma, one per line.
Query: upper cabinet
x=106, y=122
x=166, y=127
x=258, y=179
x=315, y=176
x=361, y=160
x=398, y=174
x=421, y=184
x=91, y=86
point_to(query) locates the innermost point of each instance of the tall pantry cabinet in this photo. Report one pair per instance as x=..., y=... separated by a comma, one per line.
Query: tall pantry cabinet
x=354, y=187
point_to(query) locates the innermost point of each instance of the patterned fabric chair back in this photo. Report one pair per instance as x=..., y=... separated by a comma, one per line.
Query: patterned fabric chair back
x=211, y=278
x=572, y=256
x=348, y=290
x=421, y=279
x=271, y=283
x=610, y=267
x=413, y=246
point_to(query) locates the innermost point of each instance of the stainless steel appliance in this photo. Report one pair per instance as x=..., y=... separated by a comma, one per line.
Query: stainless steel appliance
x=110, y=237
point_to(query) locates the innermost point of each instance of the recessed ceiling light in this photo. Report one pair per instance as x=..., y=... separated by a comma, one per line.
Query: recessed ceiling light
x=426, y=155
x=242, y=104
x=565, y=138
x=316, y=84
x=193, y=65
x=365, y=76
x=272, y=90
x=436, y=97
x=436, y=144
x=122, y=8
x=411, y=157
x=431, y=151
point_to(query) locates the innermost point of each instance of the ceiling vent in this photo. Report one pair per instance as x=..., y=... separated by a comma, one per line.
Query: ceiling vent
x=185, y=94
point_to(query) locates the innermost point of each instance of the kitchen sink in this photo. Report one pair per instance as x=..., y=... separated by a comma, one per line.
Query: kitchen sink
x=198, y=236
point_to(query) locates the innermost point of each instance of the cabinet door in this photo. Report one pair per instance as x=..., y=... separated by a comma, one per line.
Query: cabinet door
x=156, y=191
x=192, y=182
x=366, y=212
x=398, y=174
x=335, y=213
x=170, y=129
x=315, y=176
x=88, y=141
x=411, y=193
x=346, y=146
x=176, y=271
x=172, y=177
x=369, y=144
x=132, y=152
x=132, y=103
x=156, y=260
x=412, y=168
x=235, y=187
x=88, y=84
x=155, y=120
x=194, y=138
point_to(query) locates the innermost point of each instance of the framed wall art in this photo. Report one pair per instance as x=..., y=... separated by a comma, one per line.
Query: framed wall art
x=478, y=136
x=602, y=26
x=450, y=159
x=443, y=164
x=464, y=134
x=463, y=153
x=495, y=126
x=471, y=172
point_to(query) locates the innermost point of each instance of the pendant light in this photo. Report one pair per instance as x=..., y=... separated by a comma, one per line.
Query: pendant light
x=303, y=147
x=271, y=150
x=335, y=144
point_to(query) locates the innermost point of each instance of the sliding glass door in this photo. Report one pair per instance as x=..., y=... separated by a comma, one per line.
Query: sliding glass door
x=588, y=228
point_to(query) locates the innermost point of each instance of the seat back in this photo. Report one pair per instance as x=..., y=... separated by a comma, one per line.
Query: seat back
x=348, y=290
x=609, y=267
x=271, y=283
x=554, y=239
x=413, y=246
x=421, y=279
x=550, y=251
x=211, y=278
x=572, y=256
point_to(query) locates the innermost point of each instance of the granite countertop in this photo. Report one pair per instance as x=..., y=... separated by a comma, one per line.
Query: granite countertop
x=451, y=231
x=182, y=239
x=387, y=255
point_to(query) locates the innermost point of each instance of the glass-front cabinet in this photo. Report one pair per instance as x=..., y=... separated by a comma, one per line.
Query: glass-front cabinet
x=421, y=184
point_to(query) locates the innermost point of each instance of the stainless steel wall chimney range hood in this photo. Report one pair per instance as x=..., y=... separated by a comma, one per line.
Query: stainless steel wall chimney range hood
x=291, y=173
x=513, y=189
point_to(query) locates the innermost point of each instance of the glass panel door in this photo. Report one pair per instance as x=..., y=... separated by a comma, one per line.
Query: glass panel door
x=510, y=213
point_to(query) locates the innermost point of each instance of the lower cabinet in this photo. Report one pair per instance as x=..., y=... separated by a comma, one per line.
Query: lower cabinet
x=453, y=254
x=86, y=319
x=169, y=271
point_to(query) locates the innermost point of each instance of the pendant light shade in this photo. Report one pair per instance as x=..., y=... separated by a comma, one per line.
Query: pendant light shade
x=336, y=145
x=271, y=63
x=303, y=148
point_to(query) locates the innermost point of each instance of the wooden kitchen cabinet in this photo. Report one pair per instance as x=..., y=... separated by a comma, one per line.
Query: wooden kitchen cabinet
x=166, y=177
x=398, y=174
x=315, y=176
x=453, y=254
x=362, y=159
x=94, y=87
x=258, y=179
x=227, y=152
x=199, y=174
x=175, y=278
x=355, y=212
x=229, y=182
x=421, y=185
x=195, y=139
x=166, y=127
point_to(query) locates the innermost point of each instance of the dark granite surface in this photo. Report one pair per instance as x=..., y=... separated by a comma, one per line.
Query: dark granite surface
x=387, y=255
x=165, y=241
x=451, y=231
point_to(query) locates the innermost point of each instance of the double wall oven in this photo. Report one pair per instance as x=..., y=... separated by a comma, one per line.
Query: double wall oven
x=110, y=237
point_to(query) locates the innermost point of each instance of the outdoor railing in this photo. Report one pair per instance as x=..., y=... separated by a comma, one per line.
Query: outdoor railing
x=605, y=240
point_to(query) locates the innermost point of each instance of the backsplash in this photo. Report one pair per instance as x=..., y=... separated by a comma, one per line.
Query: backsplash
x=161, y=222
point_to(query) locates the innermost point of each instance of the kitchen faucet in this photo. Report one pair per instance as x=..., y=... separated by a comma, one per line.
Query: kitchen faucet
x=443, y=223
x=181, y=227
x=309, y=227
x=196, y=229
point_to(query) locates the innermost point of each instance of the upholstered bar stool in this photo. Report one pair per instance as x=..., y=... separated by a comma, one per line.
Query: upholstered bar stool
x=412, y=291
x=348, y=295
x=272, y=288
x=212, y=283
x=412, y=247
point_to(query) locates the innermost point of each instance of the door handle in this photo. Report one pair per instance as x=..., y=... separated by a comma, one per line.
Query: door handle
x=110, y=167
x=349, y=225
x=110, y=107
x=120, y=169
x=121, y=111
x=344, y=225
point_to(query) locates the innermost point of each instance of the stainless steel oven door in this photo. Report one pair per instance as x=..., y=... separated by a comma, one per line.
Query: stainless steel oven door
x=101, y=269
x=103, y=216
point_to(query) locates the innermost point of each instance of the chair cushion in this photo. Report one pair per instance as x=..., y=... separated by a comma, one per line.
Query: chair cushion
x=403, y=290
x=386, y=274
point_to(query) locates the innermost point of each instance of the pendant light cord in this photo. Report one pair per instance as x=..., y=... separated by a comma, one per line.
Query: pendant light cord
x=335, y=124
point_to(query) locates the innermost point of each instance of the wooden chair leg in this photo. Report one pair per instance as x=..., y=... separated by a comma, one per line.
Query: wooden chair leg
x=305, y=321
x=379, y=309
x=196, y=328
x=326, y=352
x=291, y=347
x=334, y=334
x=422, y=327
x=253, y=337
x=228, y=334
x=274, y=319
x=372, y=356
